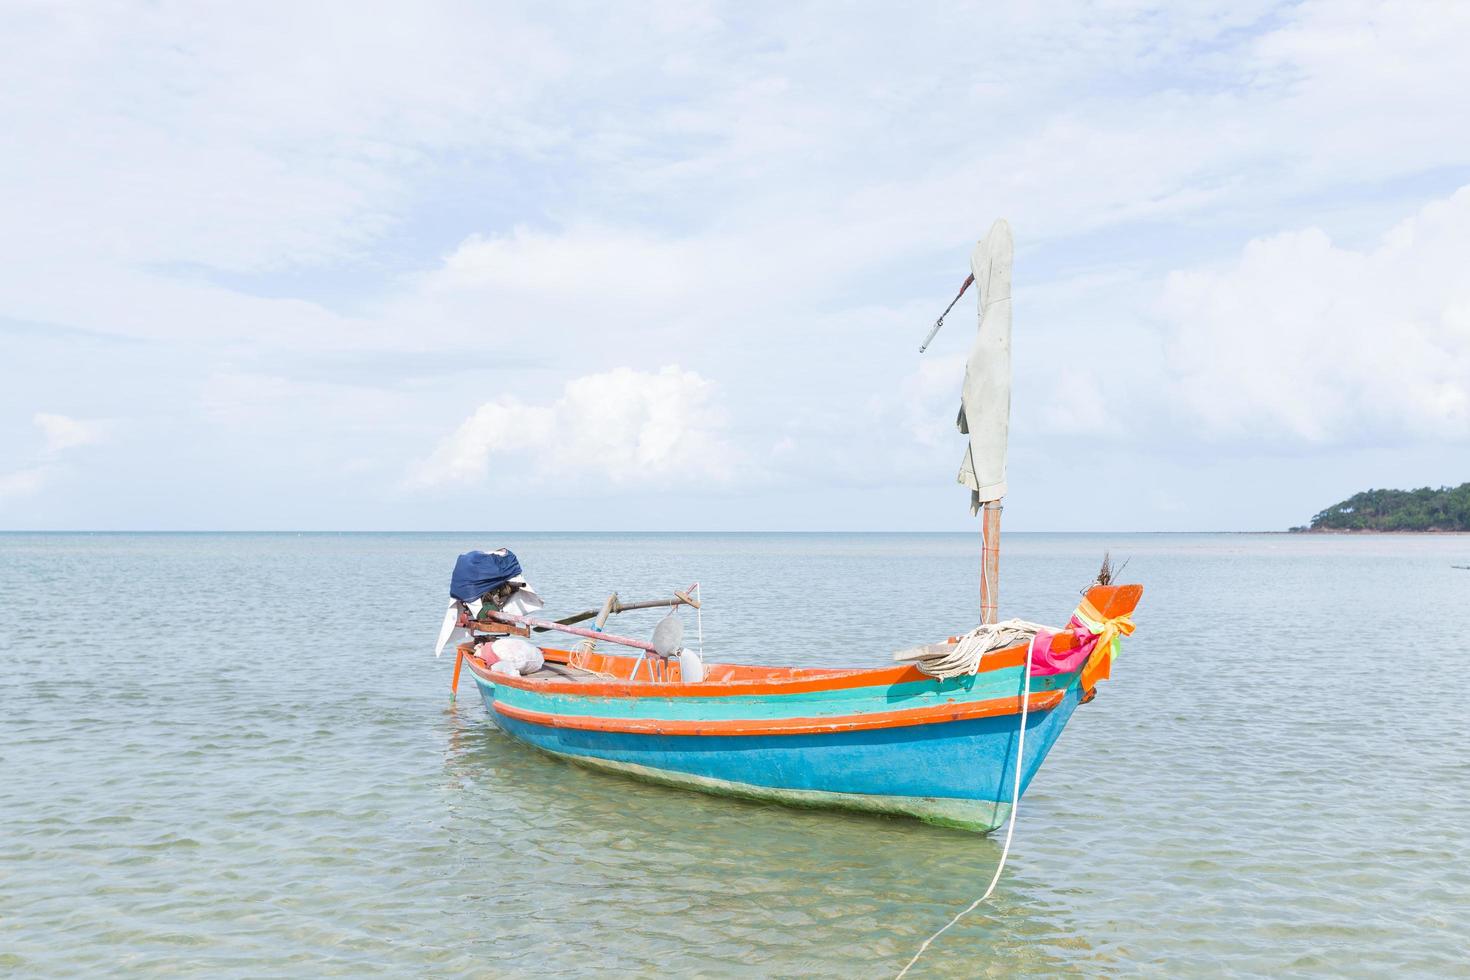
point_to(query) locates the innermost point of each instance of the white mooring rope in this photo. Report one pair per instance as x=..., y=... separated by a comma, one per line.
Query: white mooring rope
x=1010, y=827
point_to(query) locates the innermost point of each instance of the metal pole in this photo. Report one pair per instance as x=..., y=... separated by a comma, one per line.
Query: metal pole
x=940, y=322
x=500, y=617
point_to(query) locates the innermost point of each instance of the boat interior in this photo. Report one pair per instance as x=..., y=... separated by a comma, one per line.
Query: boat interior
x=584, y=666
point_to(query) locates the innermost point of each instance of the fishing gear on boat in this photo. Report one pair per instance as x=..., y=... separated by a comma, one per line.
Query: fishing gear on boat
x=940, y=322
x=490, y=597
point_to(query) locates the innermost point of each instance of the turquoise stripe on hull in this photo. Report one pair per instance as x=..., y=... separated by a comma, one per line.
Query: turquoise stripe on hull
x=809, y=704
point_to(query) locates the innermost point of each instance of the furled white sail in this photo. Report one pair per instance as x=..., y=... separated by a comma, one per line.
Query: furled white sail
x=985, y=400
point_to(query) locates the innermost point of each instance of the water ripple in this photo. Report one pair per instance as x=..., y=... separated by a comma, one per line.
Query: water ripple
x=228, y=782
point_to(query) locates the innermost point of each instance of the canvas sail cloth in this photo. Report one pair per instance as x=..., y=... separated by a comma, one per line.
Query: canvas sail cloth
x=985, y=399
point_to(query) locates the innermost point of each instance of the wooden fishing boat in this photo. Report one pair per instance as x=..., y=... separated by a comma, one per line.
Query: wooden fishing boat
x=886, y=740
x=953, y=735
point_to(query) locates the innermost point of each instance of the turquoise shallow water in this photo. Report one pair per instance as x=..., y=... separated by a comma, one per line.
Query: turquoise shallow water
x=234, y=755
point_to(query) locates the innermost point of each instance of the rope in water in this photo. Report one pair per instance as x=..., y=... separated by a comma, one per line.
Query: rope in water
x=1010, y=827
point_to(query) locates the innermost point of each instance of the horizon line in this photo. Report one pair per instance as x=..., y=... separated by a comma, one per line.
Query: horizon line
x=662, y=531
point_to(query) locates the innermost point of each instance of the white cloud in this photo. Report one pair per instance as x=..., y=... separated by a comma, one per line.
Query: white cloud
x=619, y=427
x=683, y=155
x=60, y=434
x=259, y=402
x=257, y=198
x=1073, y=403
x=63, y=432
x=23, y=483
x=582, y=260
x=251, y=139
x=1301, y=340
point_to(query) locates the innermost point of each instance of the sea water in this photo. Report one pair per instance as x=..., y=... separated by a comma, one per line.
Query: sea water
x=236, y=755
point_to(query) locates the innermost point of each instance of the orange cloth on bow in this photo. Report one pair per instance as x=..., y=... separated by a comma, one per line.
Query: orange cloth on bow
x=1109, y=633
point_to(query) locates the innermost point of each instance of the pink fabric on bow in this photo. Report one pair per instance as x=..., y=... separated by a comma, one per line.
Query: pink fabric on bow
x=1045, y=661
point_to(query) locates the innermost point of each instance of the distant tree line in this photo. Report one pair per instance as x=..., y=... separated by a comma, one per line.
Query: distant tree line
x=1425, y=509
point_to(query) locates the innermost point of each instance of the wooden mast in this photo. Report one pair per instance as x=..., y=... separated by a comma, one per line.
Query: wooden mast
x=989, y=560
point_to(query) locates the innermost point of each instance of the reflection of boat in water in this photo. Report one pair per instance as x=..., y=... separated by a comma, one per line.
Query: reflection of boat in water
x=938, y=738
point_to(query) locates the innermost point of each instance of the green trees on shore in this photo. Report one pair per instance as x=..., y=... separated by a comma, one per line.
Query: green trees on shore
x=1425, y=509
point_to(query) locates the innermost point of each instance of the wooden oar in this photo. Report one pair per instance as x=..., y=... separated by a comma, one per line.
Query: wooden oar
x=569, y=620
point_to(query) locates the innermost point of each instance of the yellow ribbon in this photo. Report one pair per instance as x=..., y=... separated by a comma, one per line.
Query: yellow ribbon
x=1109, y=633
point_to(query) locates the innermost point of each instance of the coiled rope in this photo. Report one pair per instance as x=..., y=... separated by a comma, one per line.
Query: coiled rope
x=963, y=658
x=1010, y=826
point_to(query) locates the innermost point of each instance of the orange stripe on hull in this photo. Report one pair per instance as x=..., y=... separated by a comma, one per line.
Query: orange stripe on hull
x=777, y=680
x=929, y=715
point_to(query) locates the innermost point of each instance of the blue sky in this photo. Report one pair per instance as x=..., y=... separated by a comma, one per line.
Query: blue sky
x=453, y=266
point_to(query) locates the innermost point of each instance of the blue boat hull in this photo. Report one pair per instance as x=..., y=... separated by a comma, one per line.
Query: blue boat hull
x=958, y=773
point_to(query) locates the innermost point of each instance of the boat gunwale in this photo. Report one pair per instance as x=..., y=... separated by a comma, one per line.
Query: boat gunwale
x=1110, y=600
x=796, y=680
x=932, y=714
